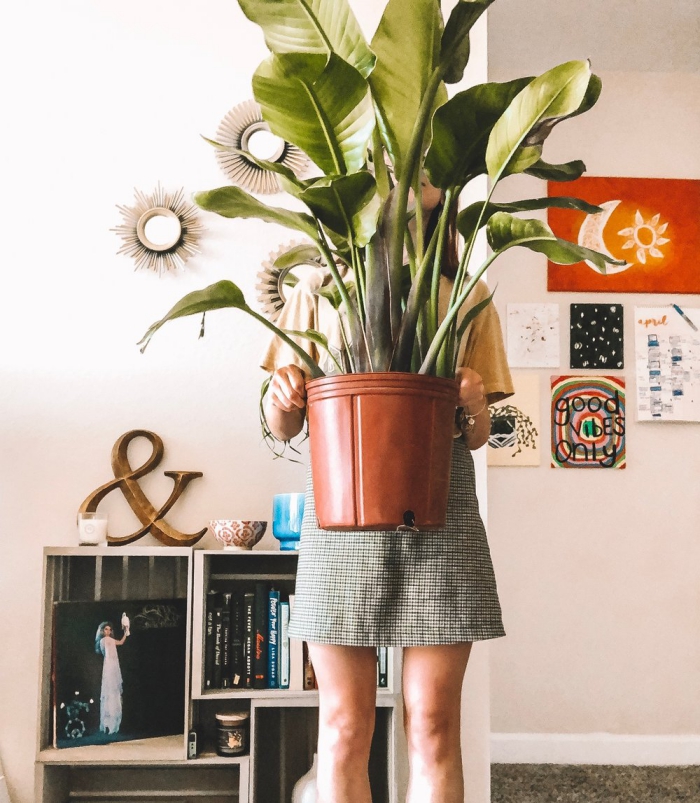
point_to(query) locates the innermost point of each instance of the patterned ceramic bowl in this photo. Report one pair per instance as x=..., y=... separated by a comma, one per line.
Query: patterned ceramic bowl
x=237, y=534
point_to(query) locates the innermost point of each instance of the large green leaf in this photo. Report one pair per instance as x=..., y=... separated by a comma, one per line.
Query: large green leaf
x=223, y=295
x=320, y=105
x=407, y=44
x=346, y=205
x=569, y=171
x=233, y=202
x=311, y=26
x=545, y=101
x=505, y=231
x=467, y=219
x=461, y=130
x=455, y=47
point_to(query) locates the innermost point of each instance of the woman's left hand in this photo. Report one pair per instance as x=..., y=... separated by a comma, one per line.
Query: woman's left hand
x=471, y=391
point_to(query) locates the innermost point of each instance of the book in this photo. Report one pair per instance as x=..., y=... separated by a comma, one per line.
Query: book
x=382, y=667
x=218, y=642
x=249, y=636
x=284, y=645
x=273, y=599
x=237, y=636
x=209, y=641
x=226, y=640
x=309, y=673
x=296, y=657
x=260, y=636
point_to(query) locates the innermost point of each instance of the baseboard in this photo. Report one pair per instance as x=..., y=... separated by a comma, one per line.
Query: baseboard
x=595, y=748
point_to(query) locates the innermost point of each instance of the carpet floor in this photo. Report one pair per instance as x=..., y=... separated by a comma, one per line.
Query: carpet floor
x=569, y=783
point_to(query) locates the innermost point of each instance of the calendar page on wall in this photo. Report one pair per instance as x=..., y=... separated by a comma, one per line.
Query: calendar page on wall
x=667, y=355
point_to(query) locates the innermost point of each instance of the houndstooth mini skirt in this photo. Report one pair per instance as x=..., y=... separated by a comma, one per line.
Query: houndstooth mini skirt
x=398, y=589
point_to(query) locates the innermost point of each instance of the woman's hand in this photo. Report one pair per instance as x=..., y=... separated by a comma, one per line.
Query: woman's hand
x=286, y=402
x=472, y=398
x=288, y=388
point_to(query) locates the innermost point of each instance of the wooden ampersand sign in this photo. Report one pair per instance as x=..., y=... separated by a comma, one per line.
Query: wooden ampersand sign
x=126, y=480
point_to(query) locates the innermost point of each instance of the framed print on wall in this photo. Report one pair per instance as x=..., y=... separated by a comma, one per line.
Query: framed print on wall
x=650, y=223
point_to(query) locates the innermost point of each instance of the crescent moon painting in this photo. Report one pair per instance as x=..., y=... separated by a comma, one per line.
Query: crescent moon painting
x=651, y=224
x=592, y=235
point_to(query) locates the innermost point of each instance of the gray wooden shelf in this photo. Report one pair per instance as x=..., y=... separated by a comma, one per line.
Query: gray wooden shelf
x=283, y=722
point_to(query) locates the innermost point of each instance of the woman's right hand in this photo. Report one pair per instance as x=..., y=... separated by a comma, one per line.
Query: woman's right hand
x=288, y=388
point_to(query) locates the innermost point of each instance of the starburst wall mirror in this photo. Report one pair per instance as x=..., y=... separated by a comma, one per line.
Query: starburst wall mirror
x=243, y=131
x=160, y=231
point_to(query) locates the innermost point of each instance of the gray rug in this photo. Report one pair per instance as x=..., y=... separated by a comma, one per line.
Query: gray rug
x=568, y=783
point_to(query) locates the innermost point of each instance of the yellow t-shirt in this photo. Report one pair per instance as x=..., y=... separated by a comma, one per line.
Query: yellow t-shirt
x=481, y=349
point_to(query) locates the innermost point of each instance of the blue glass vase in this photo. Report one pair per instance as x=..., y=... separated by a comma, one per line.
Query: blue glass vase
x=287, y=516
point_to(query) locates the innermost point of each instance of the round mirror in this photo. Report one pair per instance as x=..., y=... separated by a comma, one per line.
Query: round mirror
x=265, y=145
x=159, y=229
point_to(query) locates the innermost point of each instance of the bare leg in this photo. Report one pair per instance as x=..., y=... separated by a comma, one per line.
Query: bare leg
x=347, y=683
x=432, y=691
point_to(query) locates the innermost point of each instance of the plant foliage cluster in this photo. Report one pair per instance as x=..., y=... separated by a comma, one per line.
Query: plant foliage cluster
x=375, y=118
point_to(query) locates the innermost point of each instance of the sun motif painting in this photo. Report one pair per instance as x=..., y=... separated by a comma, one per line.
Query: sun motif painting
x=651, y=224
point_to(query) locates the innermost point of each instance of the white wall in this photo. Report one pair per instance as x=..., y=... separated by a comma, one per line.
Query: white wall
x=598, y=570
x=99, y=99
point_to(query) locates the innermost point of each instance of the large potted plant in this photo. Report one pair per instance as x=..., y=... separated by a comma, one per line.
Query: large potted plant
x=374, y=119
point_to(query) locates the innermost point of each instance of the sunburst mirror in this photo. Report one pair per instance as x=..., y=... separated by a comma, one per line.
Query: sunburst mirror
x=282, y=270
x=160, y=231
x=244, y=129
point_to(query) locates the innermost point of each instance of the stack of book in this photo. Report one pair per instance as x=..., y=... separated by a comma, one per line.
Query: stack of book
x=247, y=644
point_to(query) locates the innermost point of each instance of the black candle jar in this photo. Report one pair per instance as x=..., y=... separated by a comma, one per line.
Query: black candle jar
x=232, y=733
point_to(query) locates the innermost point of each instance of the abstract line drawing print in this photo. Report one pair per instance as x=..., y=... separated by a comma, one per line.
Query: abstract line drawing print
x=533, y=335
x=515, y=425
x=597, y=336
x=588, y=422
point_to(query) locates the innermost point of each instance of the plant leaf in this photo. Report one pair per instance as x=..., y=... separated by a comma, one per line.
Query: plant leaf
x=461, y=130
x=515, y=141
x=505, y=231
x=233, y=202
x=407, y=44
x=467, y=218
x=223, y=295
x=311, y=26
x=455, y=47
x=569, y=171
x=304, y=254
x=321, y=106
x=346, y=205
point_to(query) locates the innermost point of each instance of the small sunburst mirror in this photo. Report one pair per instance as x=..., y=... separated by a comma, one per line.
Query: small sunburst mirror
x=244, y=129
x=282, y=270
x=160, y=231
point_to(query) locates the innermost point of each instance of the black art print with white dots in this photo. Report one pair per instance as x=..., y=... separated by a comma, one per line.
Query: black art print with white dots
x=597, y=336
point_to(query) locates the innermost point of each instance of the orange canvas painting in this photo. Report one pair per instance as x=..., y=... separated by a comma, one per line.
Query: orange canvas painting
x=652, y=224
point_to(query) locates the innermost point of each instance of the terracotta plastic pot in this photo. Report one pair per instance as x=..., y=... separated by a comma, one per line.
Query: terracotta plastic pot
x=381, y=449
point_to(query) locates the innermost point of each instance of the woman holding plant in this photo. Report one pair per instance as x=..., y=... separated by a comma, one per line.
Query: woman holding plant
x=432, y=593
x=376, y=119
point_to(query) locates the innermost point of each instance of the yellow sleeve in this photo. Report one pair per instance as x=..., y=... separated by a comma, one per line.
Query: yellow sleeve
x=484, y=351
x=300, y=313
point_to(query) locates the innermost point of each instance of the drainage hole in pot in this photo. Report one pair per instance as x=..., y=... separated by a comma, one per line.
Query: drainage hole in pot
x=409, y=518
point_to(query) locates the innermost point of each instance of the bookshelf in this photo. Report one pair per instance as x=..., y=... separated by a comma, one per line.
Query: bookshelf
x=283, y=722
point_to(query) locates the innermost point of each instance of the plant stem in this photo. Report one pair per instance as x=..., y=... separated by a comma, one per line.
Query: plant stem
x=381, y=171
x=433, y=308
x=398, y=223
x=450, y=318
x=298, y=350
